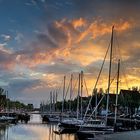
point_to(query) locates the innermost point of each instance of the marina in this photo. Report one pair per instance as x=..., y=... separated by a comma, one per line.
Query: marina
x=88, y=125
x=70, y=70
x=35, y=130
x=71, y=118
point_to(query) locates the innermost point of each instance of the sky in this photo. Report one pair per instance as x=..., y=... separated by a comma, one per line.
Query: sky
x=43, y=40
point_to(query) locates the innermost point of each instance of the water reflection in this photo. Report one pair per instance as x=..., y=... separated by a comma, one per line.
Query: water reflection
x=34, y=130
x=3, y=131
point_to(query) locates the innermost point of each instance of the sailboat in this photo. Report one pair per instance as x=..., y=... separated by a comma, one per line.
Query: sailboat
x=52, y=116
x=93, y=126
x=70, y=124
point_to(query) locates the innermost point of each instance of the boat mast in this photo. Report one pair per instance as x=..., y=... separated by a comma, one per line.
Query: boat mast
x=51, y=102
x=8, y=109
x=81, y=94
x=56, y=100
x=95, y=93
x=70, y=92
x=116, y=105
x=78, y=97
x=63, y=94
x=109, y=76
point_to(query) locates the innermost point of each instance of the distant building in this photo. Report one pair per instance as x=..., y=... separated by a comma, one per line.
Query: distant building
x=132, y=93
x=130, y=99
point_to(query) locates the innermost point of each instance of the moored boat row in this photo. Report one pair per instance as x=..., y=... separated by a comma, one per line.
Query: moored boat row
x=9, y=117
x=88, y=127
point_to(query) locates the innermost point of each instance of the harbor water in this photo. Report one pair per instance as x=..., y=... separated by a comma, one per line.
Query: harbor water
x=35, y=130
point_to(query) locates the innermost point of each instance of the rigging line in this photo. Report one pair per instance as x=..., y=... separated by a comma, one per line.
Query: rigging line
x=116, y=55
x=87, y=90
x=74, y=87
x=97, y=80
x=116, y=37
x=67, y=91
x=123, y=70
x=59, y=87
x=125, y=76
x=101, y=98
x=94, y=109
x=86, y=86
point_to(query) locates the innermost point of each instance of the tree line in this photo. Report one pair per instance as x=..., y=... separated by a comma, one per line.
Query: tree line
x=127, y=100
x=7, y=104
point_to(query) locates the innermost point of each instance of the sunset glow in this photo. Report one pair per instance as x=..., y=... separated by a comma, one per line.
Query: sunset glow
x=41, y=41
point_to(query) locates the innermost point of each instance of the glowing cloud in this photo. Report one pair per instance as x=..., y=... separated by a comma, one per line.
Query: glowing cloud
x=78, y=22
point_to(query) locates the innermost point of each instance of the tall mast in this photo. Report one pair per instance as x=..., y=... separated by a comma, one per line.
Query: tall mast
x=81, y=94
x=7, y=103
x=50, y=101
x=116, y=105
x=63, y=94
x=95, y=92
x=56, y=100
x=70, y=92
x=109, y=75
x=78, y=98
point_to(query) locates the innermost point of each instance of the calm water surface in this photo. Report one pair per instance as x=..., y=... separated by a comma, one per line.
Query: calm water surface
x=34, y=130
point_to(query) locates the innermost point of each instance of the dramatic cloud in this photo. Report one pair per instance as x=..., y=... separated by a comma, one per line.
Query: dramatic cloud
x=7, y=57
x=78, y=22
x=49, y=39
x=64, y=39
